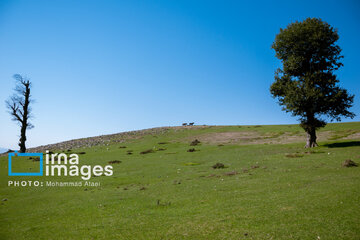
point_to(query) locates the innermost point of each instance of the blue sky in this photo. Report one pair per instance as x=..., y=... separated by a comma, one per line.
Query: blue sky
x=101, y=67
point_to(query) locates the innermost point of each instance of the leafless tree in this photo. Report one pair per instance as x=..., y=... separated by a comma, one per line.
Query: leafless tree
x=19, y=107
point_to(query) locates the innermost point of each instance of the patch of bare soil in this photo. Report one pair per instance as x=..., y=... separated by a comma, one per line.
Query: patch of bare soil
x=232, y=173
x=353, y=136
x=229, y=137
x=254, y=137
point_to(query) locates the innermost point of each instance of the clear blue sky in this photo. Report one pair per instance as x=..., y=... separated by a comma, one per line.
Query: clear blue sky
x=101, y=67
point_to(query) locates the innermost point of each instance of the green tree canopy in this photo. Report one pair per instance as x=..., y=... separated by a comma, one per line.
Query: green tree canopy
x=306, y=84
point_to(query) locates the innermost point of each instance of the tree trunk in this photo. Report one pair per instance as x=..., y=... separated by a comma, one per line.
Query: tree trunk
x=311, y=138
x=24, y=121
x=22, y=139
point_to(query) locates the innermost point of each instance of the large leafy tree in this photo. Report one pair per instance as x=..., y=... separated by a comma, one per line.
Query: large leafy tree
x=306, y=84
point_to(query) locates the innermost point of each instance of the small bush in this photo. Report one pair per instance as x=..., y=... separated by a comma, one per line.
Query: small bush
x=218, y=166
x=349, y=163
x=114, y=161
x=35, y=159
x=191, y=150
x=147, y=151
x=195, y=142
x=159, y=203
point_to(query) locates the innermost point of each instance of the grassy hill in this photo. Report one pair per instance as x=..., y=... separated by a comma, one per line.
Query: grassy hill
x=270, y=187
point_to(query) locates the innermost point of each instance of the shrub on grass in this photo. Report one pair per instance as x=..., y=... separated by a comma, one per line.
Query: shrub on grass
x=349, y=163
x=147, y=151
x=114, y=161
x=195, y=142
x=218, y=166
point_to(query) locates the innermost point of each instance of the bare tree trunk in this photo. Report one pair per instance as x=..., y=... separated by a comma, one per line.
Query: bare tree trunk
x=311, y=138
x=24, y=121
x=19, y=106
x=22, y=139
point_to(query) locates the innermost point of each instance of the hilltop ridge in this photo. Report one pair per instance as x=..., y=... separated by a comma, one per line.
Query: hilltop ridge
x=217, y=134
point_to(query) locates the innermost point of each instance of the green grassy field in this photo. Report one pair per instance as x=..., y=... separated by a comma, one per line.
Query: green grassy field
x=269, y=188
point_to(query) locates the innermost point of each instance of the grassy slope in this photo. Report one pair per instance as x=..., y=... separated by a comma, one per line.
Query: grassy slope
x=285, y=198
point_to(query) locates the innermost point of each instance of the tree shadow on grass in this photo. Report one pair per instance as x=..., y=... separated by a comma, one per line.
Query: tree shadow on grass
x=343, y=144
